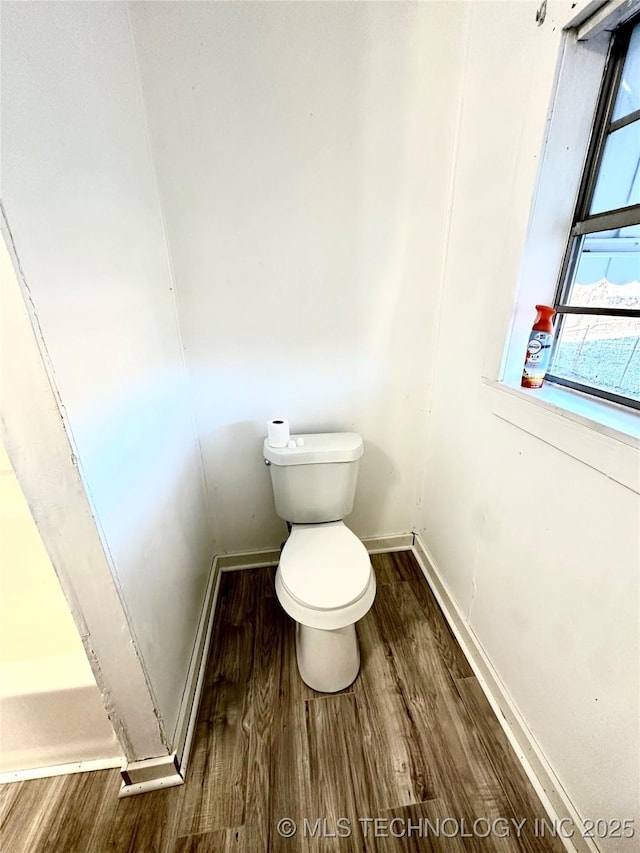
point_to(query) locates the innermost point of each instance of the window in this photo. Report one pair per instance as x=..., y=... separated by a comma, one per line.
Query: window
x=597, y=339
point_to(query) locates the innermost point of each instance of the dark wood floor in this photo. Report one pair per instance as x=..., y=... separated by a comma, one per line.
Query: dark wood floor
x=413, y=738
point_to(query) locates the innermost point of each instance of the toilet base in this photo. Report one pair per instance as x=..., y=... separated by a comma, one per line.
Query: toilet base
x=328, y=661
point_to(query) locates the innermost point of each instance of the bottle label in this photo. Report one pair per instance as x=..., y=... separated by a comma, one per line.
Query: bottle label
x=537, y=360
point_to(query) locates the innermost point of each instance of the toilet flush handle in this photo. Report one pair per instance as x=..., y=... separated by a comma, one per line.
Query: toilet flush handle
x=266, y=462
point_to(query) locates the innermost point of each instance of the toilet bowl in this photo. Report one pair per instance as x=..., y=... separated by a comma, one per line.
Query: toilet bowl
x=326, y=583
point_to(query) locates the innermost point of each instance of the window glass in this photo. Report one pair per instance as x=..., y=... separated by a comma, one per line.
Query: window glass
x=618, y=183
x=600, y=351
x=628, y=98
x=607, y=273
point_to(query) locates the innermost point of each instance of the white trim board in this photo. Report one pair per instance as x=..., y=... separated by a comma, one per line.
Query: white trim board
x=384, y=544
x=141, y=777
x=258, y=559
x=247, y=560
x=553, y=416
x=554, y=798
x=60, y=770
x=150, y=774
x=185, y=751
x=195, y=677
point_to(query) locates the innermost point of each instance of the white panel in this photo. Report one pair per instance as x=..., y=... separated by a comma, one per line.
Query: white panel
x=302, y=152
x=80, y=196
x=46, y=466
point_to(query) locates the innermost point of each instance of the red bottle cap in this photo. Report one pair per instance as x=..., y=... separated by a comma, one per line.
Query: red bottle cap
x=543, y=319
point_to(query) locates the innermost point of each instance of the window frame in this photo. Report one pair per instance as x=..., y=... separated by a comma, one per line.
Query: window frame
x=583, y=223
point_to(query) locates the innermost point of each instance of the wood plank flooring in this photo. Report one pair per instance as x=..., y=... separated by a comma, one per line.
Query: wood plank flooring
x=412, y=743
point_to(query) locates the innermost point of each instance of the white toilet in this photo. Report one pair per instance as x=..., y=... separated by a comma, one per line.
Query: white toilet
x=325, y=580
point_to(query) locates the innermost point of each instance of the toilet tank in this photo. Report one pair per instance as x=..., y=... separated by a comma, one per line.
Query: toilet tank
x=315, y=481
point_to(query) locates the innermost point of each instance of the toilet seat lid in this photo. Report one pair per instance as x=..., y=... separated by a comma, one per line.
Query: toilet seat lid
x=325, y=566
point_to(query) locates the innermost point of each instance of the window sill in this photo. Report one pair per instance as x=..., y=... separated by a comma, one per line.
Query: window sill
x=600, y=434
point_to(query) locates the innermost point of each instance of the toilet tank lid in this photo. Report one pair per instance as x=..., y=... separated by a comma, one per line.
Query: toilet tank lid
x=317, y=448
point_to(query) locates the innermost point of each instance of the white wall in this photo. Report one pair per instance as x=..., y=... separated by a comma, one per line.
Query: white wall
x=79, y=191
x=540, y=551
x=51, y=711
x=303, y=153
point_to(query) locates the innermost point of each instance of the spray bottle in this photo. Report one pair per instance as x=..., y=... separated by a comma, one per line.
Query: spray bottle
x=538, y=348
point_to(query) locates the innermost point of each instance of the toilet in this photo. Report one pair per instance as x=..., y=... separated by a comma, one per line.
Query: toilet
x=325, y=580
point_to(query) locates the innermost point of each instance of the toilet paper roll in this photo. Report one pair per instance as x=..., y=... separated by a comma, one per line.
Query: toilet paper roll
x=278, y=431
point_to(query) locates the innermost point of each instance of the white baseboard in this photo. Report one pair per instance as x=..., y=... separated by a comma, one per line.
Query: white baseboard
x=247, y=560
x=140, y=777
x=151, y=774
x=60, y=770
x=384, y=544
x=547, y=785
x=195, y=678
x=257, y=559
